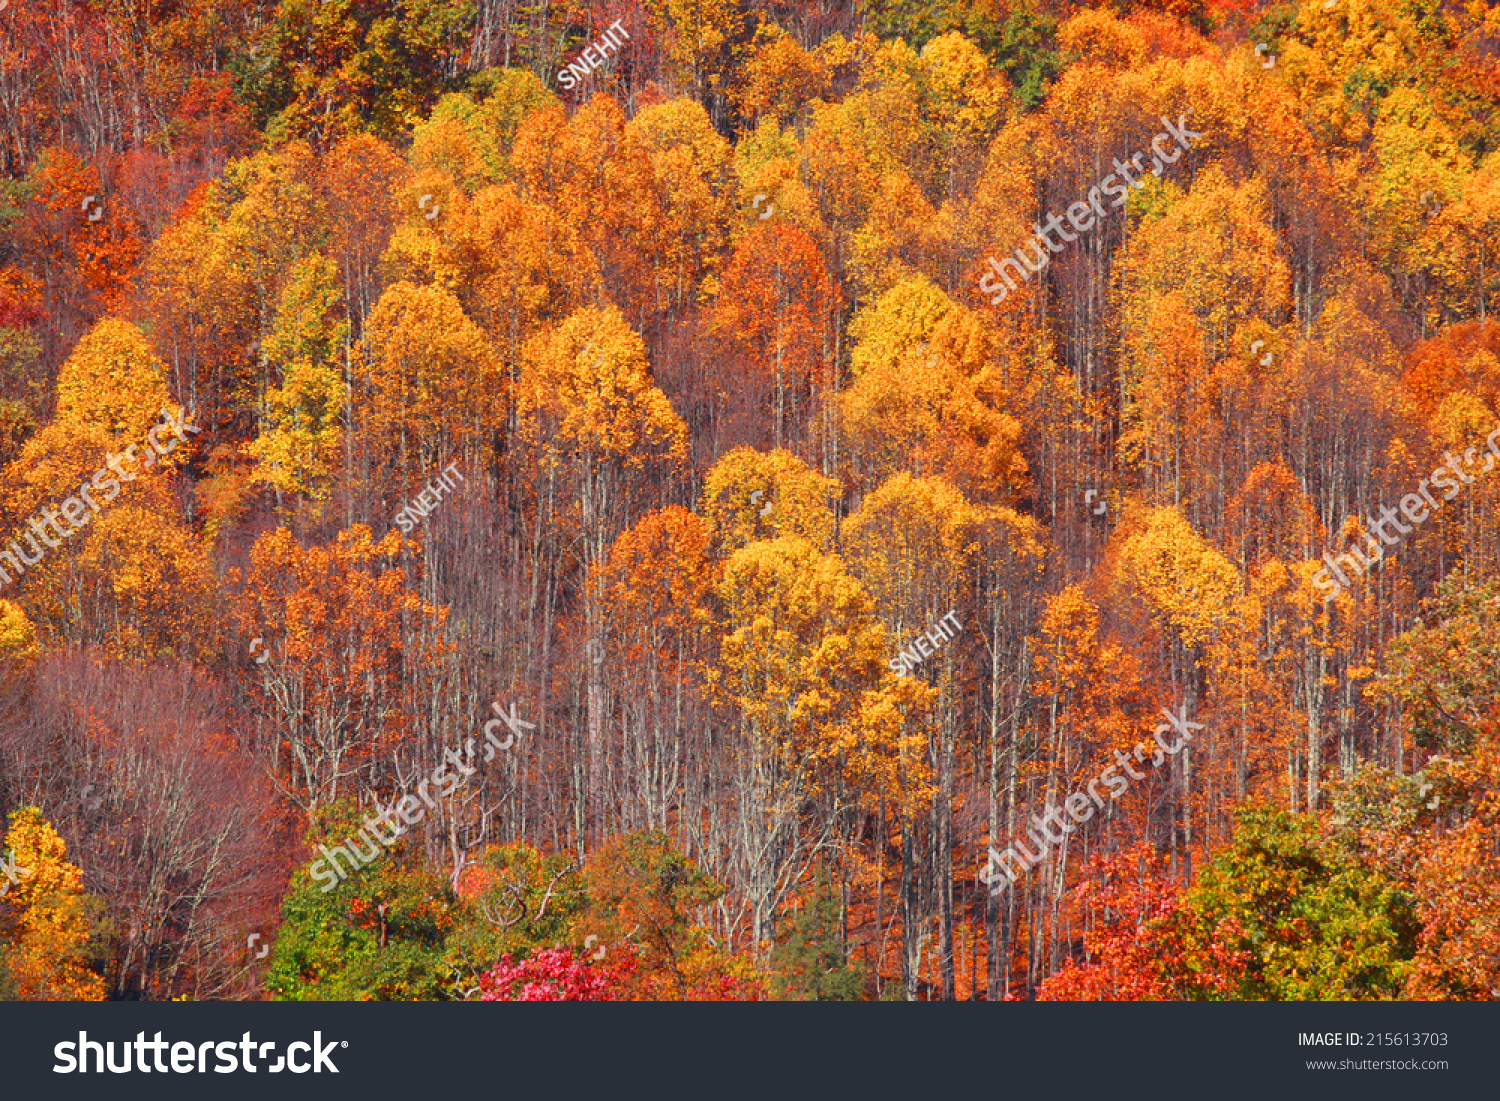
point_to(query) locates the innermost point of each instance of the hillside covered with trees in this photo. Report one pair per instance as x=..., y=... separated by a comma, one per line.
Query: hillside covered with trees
x=731, y=499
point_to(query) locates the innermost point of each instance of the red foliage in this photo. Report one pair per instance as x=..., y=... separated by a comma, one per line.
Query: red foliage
x=1232, y=12
x=550, y=975
x=729, y=988
x=1123, y=894
x=17, y=310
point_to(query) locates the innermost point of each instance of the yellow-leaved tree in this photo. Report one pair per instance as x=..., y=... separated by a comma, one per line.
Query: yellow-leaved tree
x=825, y=728
x=903, y=318
x=938, y=408
x=46, y=920
x=17, y=634
x=133, y=576
x=114, y=382
x=18, y=652
x=600, y=444
x=428, y=391
x=750, y=495
x=1198, y=599
x=915, y=545
x=298, y=444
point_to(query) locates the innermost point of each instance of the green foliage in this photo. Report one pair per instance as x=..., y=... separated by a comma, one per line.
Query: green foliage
x=1294, y=917
x=506, y=97
x=371, y=64
x=1365, y=89
x=307, y=324
x=300, y=429
x=377, y=936
x=1023, y=45
x=1431, y=22
x=1375, y=807
x=915, y=21
x=1272, y=25
x=454, y=140
x=393, y=931
x=1446, y=674
x=1025, y=49
x=514, y=902
x=14, y=195
x=811, y=964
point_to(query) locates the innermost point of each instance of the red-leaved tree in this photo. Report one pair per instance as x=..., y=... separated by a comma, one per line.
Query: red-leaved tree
x=550, y=975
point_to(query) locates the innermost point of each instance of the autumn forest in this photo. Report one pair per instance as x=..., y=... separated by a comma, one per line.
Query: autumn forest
x=749, y=500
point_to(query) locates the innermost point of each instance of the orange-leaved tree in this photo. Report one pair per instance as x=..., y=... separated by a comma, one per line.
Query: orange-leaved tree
x=341, y=638
x=46, y=920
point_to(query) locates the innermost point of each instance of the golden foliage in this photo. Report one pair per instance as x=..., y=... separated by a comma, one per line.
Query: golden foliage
x=46, y=921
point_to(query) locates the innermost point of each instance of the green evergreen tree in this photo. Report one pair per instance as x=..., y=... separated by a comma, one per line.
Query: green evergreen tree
x=811, y=964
